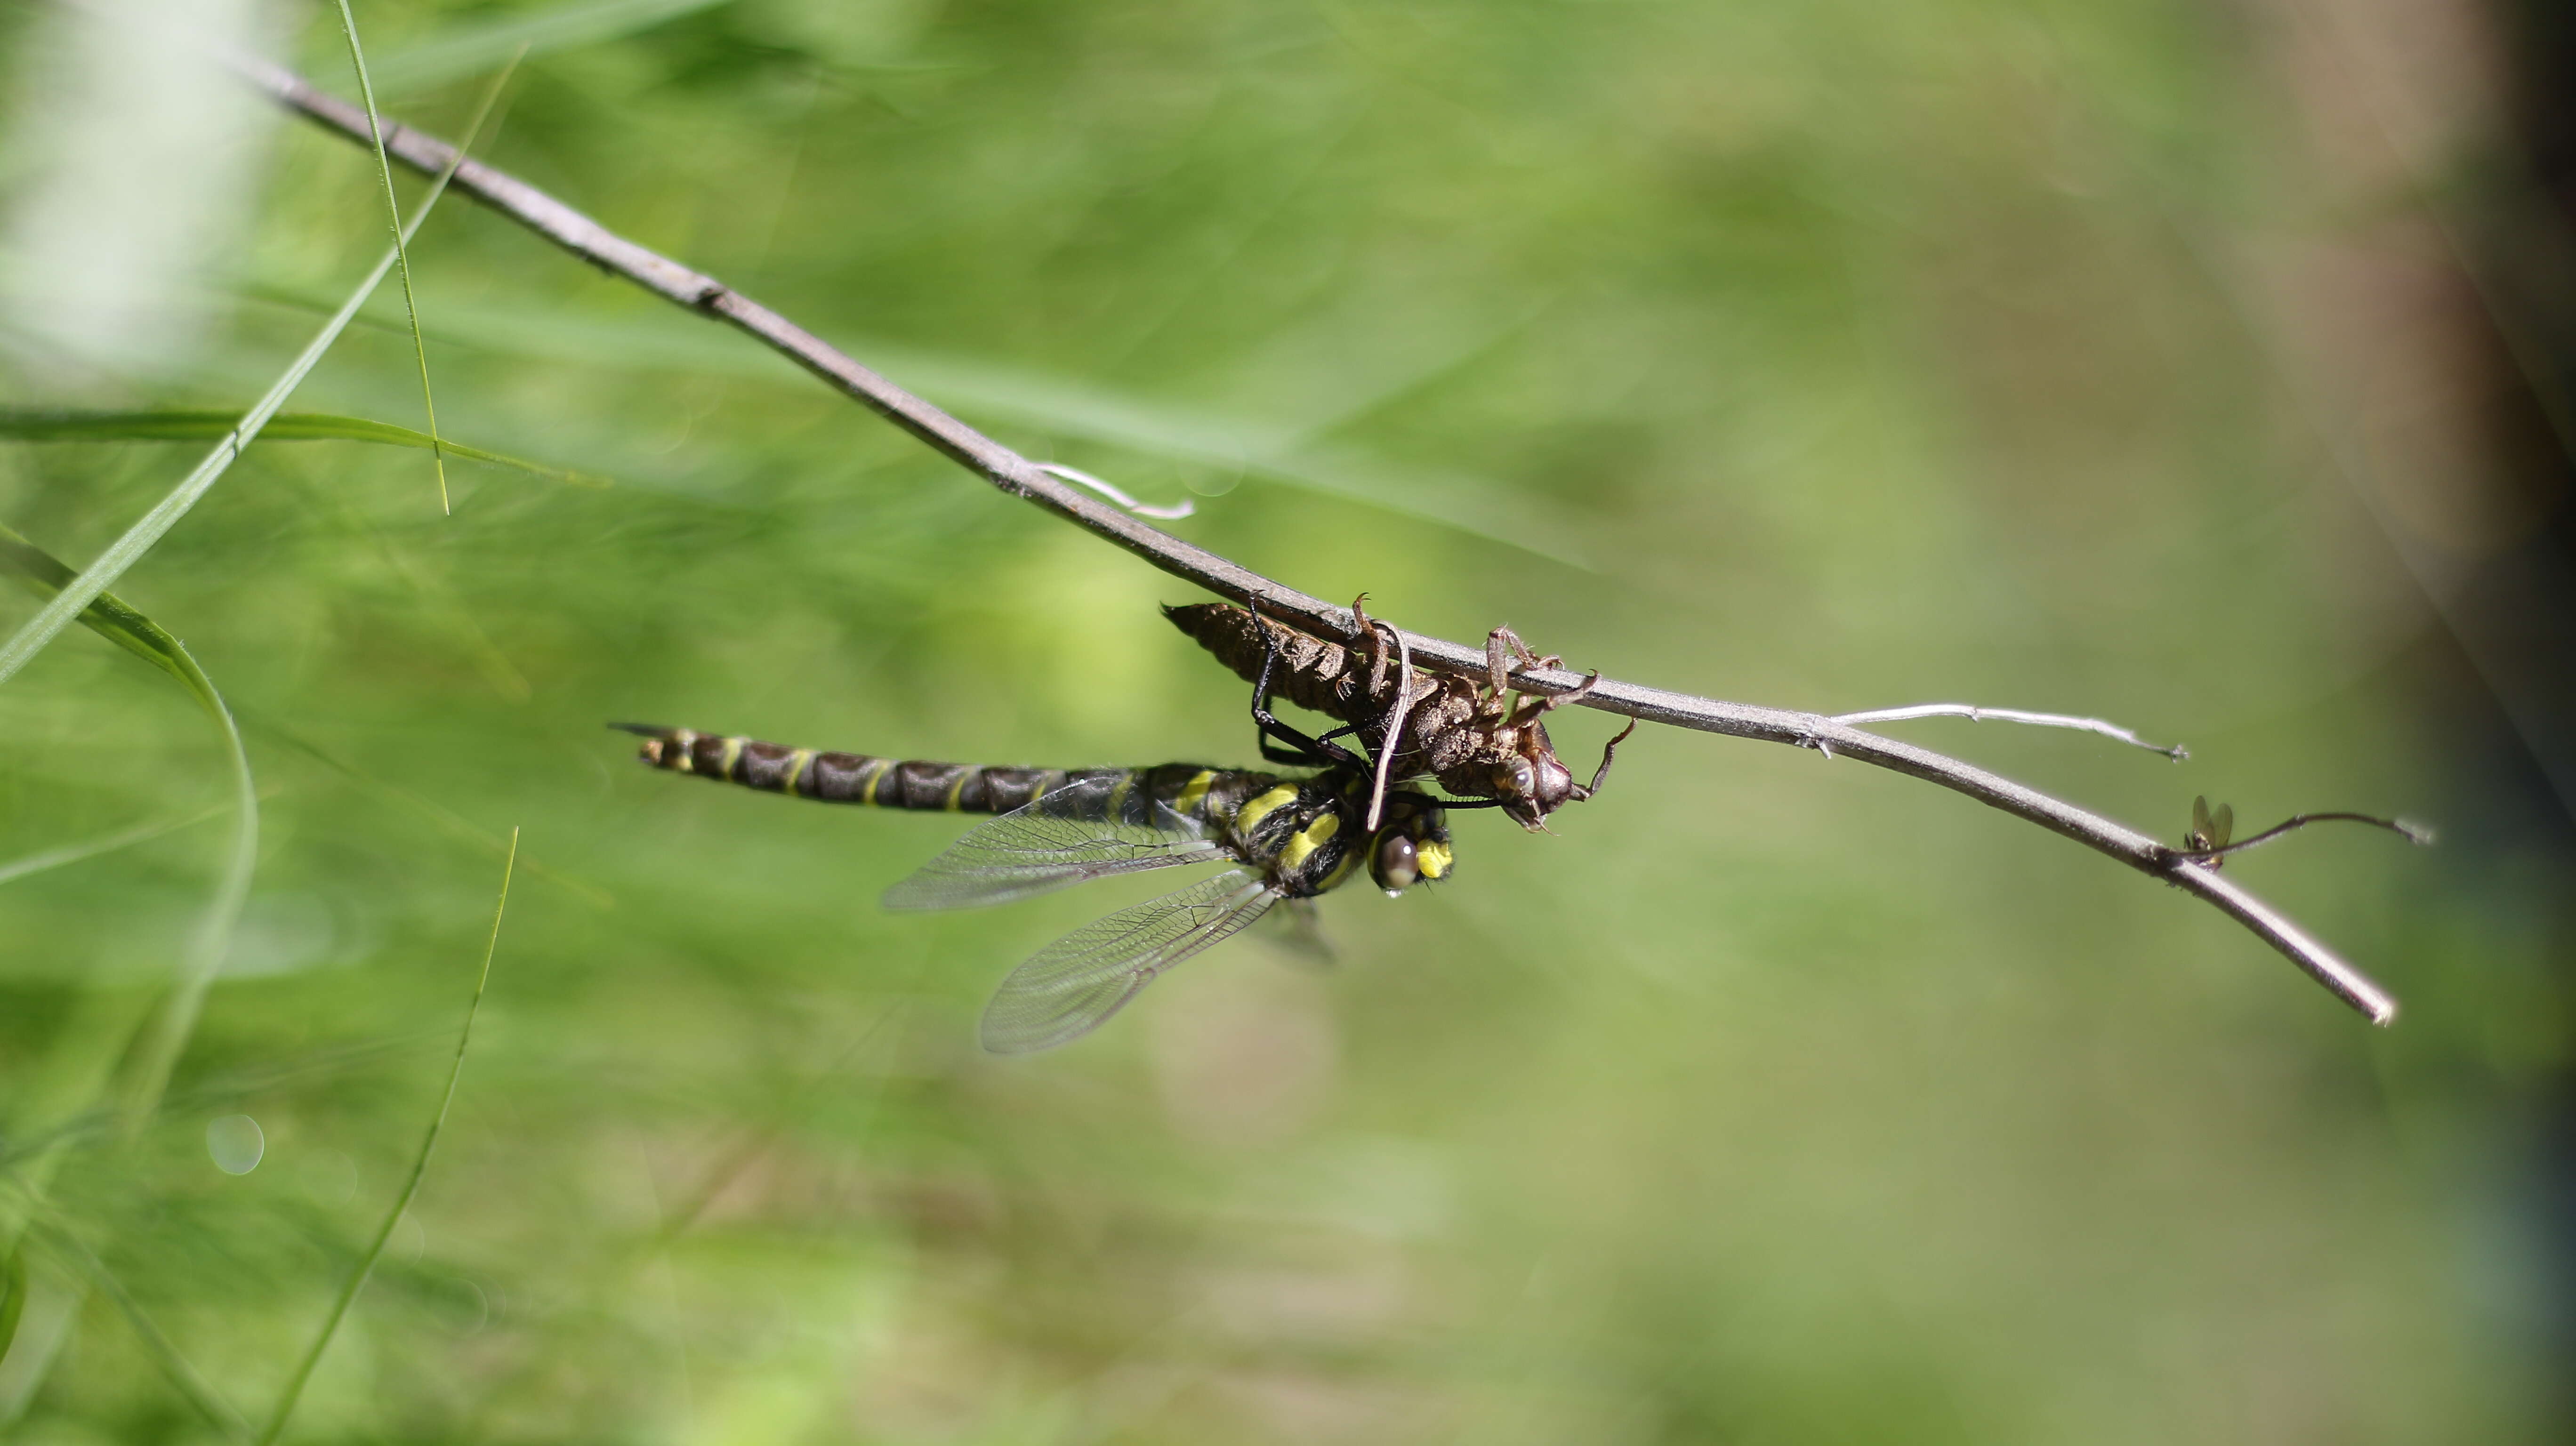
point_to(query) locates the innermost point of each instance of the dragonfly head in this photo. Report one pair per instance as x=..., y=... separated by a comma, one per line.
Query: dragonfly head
x=1531, y=788
x=1411, y=846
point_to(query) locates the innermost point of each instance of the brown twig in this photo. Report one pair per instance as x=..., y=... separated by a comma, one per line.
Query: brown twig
x=2211, y=853
x=1027, y=480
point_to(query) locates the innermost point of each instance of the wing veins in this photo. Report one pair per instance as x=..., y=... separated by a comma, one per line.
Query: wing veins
x=1061, y=839
x=1072, y=986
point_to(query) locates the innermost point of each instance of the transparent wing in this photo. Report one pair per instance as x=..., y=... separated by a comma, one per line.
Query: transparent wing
x=1297, y=928
x=1088, y=829
x=1067, y=989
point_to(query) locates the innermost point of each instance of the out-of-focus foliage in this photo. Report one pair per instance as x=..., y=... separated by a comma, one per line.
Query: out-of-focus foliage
x=1866, y=354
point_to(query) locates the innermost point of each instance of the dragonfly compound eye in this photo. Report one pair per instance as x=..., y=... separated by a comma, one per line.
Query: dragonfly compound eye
x=1554, y=783
x=1394, y=863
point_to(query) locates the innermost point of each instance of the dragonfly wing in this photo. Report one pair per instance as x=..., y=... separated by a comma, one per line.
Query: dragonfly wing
x=1088, y=829
x=1299, y=932
x=1067, y=989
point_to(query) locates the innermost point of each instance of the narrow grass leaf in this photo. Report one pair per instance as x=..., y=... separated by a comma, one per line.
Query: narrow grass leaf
x=224, y=1090
x=469, y=49
x=76, y=595
x=447, y=819
x=402, y=252
x=13, y=1297
x=184, y=1377
x=107, y=615
x=108, y=843
x=195, y=424
x=411, y=1187
x=1221, y=442
x=124, y=625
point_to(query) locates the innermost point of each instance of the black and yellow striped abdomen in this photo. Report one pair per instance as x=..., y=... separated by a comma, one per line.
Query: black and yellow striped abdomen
x=1303, y=834
x=833, y=777
x=1192, y=790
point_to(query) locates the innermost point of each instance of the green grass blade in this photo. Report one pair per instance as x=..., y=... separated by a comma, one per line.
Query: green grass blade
x=107, y=615
x=185, y=1378
x=195, y=424
x=469, y=49
x=447, y=819
x=76, y=595
x=1223, y=443
x=121, y=623
x=13, y=1297
x=55, y=858
x=419, y=1167
x=402, y=252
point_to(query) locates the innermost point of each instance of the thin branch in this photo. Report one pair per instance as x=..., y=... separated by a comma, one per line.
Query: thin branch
x=1975, y=714
x=2412, y=833
x=1030, y=482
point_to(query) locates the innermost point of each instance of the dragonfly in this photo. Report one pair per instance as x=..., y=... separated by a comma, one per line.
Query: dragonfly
x=1279, y=837
x=1473, y=735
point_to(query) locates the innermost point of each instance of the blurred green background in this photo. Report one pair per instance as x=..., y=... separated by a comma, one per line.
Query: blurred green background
x=1834, y=355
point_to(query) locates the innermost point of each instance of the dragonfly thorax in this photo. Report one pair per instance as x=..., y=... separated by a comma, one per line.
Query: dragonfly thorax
x=1308, y=836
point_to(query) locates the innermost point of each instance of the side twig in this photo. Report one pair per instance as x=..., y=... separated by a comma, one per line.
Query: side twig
x=2412, y=833
x=1975, y=714
x=1030, y=482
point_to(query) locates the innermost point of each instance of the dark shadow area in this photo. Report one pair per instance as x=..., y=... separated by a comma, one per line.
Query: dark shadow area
x=2515, y=786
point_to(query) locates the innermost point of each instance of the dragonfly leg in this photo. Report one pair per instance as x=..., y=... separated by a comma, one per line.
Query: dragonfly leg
x=1502, y=648
x=1608, y=751
x=1376, y=644
x=1314, y=752
x=1273, y=753
x=1576, y=694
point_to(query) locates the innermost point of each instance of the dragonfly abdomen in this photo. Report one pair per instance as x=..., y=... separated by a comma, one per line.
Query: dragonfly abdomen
x=860, y=778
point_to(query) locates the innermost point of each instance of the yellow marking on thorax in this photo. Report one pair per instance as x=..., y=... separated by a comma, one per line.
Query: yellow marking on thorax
x=1312, y=837
x=956, y=788
x=796, y=765
x=1194, y=793
x=687, y=743
x=732, y=756
x=1249, y=817
x=1342, y=870
x=1118, y=796
x=1038, y=789
x=1431, y=860
x=868, y=784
